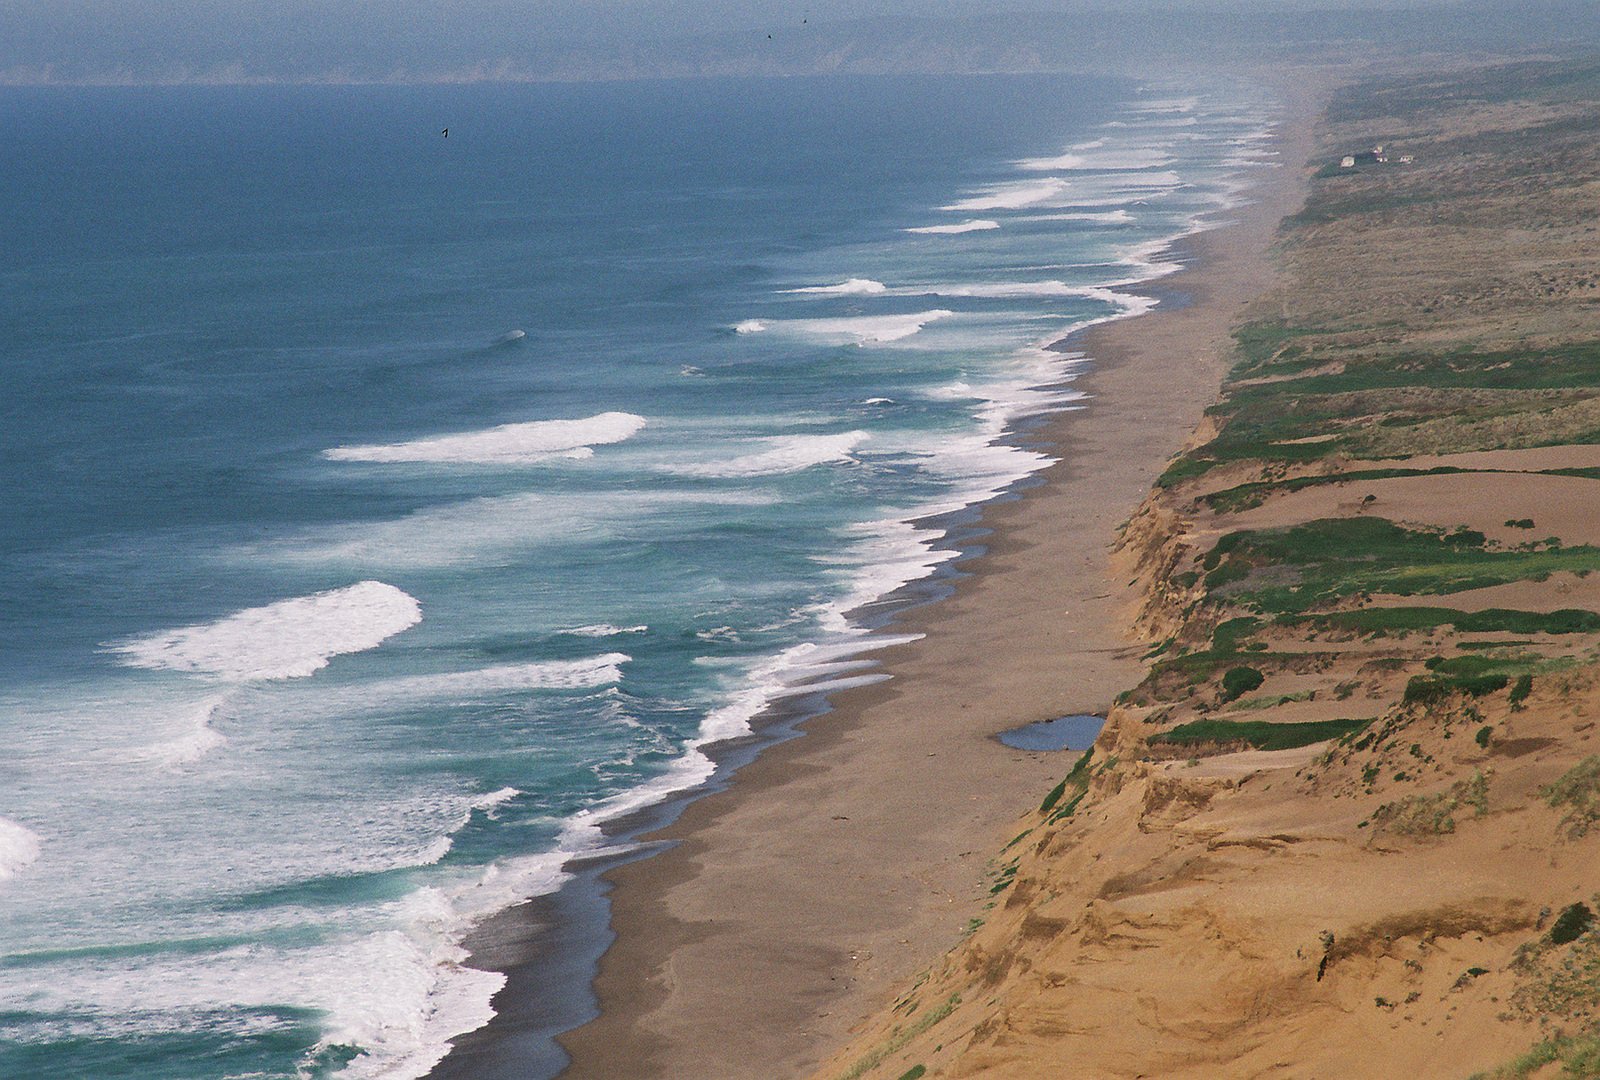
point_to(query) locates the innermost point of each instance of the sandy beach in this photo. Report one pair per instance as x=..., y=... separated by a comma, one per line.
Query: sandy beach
x=840, y=863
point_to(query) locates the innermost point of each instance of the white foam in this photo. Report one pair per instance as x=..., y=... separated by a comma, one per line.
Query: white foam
x=997, y=289
x=604, y=630
x=976, y=225
x=494, y=800
x=1060, y=162
x=286, y=640
x=19, y=847
x=198, y=739
x=511, y=335
x=1012, y=196
x=827, y=686
x=749, y=326
x=852, y=287
x=783, y=454
x=478, y=529
x=1113, y=161
x=542, y=675
x=766, y=681
x=1108, y=217
x=508, y=444
x=863, y=329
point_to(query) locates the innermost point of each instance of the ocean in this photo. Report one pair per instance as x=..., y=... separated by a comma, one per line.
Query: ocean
x=388, y=510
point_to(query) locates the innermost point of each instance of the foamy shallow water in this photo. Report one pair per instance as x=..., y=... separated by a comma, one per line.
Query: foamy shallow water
x=343, y=618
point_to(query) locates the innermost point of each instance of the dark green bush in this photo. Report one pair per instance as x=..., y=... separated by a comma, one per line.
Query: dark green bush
x=1571, y=923
x=1240, y=680
x=1521, y=689
x=1426, y=688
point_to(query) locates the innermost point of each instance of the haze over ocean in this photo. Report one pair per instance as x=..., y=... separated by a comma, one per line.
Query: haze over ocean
x=386, y=511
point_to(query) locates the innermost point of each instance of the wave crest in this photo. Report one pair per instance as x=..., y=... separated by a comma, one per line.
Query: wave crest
x=789, y=453
x=1012, y=196
x=975, y=225
x=508, y=444
x=853, y=287
x=289, y=639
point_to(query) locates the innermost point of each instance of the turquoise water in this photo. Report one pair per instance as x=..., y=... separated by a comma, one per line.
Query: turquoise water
x=386, y=511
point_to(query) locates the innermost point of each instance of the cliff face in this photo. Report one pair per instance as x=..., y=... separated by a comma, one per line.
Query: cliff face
x=1349, y=823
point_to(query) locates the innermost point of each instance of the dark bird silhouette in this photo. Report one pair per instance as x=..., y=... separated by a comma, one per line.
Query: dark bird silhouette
x=445, y=133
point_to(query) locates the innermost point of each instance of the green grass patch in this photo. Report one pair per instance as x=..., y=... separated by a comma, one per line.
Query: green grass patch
x=1231, y=634
x=1078, y=778
x=1425, y=689
x=1488, y=621
x=1324, y=561
x=1258, y=734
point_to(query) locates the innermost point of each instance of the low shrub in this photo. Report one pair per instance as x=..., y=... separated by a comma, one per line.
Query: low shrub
x=1571, y=924
x=1578, y=790
x=1240, y=680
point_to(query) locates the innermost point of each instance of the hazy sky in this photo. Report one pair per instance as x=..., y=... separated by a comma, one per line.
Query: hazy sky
x=181, y=39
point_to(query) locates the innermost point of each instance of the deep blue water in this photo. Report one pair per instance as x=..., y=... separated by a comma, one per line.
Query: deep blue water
x=386, y=510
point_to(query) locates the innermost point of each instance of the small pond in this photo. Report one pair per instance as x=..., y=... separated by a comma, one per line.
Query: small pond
x=1076, y=732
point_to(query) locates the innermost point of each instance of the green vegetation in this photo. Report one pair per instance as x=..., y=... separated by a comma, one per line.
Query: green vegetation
x=1240, y=680
x=1545, y=1053
x=1381, y=620
x=1572, y=923
x=1258, y=734
x=1077, y=778
x=1579, y=791
x=1329, y=396
x=1227, y=638
x=1520, y=690
x=1434, y=814
x=1471, y=675
x=1327, y=560
x=1244, y=496
x=875, y=1058
x=916, y=1072
x=1560, y=981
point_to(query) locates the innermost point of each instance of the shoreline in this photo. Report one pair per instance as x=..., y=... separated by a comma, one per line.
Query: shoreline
x=687, y=986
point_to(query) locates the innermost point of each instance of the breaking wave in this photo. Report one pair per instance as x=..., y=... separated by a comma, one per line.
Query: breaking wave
x=508, y=444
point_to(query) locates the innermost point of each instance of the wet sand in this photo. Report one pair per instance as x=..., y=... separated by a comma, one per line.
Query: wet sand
x=838, y=864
